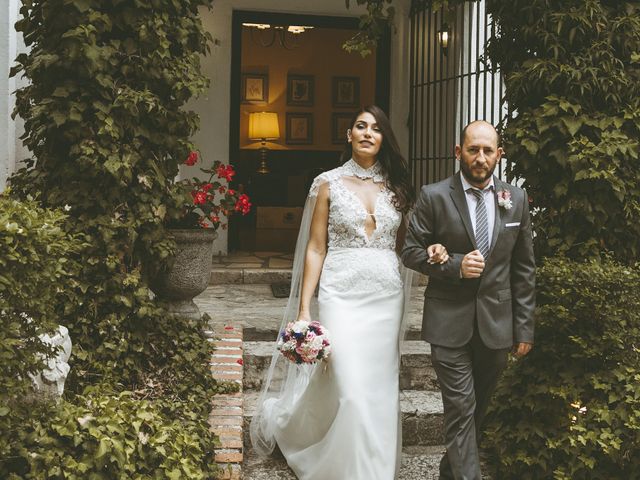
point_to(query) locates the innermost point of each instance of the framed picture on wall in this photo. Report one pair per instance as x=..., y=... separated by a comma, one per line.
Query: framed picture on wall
x=346, y=92
x=300, y=90
x=340, y=123
x=299, y=128
x=255, y=88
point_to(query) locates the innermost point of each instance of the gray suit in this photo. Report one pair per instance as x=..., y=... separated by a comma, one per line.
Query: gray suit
x=471, y=323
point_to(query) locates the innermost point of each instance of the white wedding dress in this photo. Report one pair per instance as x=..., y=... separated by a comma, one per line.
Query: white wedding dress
x=343, y=421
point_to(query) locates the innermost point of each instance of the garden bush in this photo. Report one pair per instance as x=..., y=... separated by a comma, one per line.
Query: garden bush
x=35, y=264
x=570, y=410
x=112, y=436
x=105, y=120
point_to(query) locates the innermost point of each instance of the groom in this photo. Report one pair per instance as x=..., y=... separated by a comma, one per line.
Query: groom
x=479, y=304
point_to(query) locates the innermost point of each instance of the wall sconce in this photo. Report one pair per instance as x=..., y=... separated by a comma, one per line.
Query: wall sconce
x=263, y=126
x=443, y=37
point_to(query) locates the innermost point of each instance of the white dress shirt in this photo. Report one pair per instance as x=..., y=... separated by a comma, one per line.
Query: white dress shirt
x=489, y=201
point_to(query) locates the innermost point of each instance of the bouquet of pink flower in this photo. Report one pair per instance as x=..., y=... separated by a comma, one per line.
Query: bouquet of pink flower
x=304, y=342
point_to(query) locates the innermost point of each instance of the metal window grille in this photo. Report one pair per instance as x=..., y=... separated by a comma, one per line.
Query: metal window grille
x=450, y=87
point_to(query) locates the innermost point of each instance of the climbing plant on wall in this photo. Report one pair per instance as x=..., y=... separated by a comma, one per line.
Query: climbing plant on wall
x=572, y=81
x=106, y=122
x=379, y=19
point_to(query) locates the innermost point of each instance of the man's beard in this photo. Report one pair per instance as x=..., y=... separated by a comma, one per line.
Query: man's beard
x=476, y=177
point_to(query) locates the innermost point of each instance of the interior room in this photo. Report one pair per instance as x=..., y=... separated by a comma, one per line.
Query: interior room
x=294, y=92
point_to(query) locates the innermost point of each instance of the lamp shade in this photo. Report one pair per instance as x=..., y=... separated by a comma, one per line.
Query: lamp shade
x=263, y=125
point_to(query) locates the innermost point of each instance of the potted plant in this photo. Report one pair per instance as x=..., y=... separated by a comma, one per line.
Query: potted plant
x=202, y=204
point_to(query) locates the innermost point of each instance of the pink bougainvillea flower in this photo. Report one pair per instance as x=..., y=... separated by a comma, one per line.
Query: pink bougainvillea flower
x=225, y=171
x=191, y=159
x=199, y=197
x=206, y=209
x=243, y=205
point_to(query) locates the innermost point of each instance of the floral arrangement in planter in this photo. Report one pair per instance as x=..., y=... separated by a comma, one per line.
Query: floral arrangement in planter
x=204, y=202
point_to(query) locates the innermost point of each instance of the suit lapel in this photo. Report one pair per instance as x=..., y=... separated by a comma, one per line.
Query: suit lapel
x=460, y=201
x=498, y=217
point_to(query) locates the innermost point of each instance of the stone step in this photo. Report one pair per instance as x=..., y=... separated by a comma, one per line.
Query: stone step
x=418, y=463
x=267, y=334
x=422, y=416
x=416, y=371
x=223, y=276
x=252, y=275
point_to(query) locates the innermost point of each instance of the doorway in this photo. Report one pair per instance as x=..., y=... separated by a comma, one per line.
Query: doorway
x=293, y=92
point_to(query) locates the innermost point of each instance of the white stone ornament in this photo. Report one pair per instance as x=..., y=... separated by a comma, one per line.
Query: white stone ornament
x=49, y=383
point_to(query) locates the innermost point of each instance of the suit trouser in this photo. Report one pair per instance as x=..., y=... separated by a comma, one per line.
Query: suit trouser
x=468, y=376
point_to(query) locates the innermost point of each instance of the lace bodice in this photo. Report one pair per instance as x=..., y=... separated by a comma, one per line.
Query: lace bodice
x=347, y=214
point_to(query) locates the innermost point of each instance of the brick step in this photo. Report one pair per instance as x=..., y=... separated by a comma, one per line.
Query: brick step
x=416, y=371
x=418, y=463
x=422, y=416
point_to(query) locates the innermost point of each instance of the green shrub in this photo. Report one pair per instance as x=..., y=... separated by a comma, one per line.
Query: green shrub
x=117, y=436
x=35, y=272
x=572, y=78
x=38, y=278
x=570, y=410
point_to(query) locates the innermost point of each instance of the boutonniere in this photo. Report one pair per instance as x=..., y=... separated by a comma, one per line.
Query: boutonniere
x=504, y=199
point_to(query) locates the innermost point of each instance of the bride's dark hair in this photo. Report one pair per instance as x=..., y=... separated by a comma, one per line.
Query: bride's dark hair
x=393, y=164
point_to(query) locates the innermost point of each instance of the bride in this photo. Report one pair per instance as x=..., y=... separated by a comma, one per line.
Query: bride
x=340, y=420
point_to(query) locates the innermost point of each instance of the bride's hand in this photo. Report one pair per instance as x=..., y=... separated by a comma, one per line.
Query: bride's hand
x=437, y=253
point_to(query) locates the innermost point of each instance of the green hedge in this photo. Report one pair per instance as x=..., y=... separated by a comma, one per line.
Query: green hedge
x=112, y=436
x=35, y=264
x=570, y=410
x=154, y=423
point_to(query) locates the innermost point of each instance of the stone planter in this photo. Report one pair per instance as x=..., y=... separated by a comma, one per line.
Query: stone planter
x=189, y=275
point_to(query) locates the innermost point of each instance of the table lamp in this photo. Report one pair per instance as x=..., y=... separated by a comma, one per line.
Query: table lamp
x=263, y=126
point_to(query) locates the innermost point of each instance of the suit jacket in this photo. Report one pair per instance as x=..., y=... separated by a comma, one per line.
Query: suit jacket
x=502, y=300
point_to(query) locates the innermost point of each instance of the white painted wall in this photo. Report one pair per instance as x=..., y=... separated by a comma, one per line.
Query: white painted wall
x=12, y=152
x=214, y=107
x=7, y=127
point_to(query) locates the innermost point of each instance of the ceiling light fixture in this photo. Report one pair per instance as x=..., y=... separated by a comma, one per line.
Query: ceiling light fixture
x=266, y=35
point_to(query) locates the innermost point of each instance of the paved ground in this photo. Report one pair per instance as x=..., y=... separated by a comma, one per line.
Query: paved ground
x=255, y=308
x=417, y=464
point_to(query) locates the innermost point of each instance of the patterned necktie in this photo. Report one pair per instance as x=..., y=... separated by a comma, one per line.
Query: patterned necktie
x=482, y=223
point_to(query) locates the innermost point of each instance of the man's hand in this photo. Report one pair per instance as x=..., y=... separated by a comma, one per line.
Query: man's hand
x=437, y=253
x=472, y=265
x=521, y=349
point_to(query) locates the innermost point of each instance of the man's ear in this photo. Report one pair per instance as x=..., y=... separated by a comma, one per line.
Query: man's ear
x=458, y=152
x=500, y=153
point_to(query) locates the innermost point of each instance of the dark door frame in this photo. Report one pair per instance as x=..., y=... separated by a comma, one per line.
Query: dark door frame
x=383, y=59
